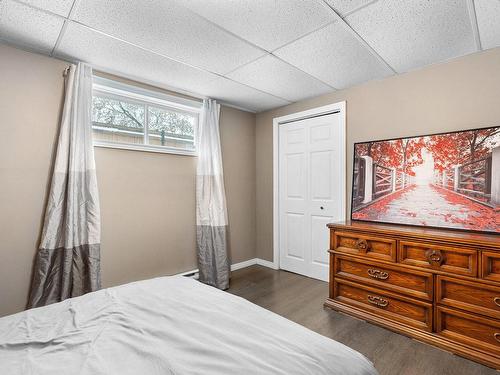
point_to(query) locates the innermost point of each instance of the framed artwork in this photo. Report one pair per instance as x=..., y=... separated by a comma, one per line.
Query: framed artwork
x=447, y=180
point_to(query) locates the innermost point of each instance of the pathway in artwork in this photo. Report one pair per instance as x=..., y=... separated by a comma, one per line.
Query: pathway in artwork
x=433, y=206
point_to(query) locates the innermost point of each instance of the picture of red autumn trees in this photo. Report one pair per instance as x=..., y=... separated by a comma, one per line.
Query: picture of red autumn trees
x=461, y=147
x=403, y=154
x=447, y=180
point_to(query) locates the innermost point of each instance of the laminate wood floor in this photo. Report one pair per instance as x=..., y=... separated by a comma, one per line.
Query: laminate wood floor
x=300, y=299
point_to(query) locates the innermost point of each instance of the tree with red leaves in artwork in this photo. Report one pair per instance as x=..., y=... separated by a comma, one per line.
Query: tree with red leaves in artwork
x=411, y=154
x=459, y=148
x=364, y=149
x=385, y=153
x=447, y=150
x=401, y=154
x=479, y=142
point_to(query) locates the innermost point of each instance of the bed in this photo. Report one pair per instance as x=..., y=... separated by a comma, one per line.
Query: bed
x=167, y=325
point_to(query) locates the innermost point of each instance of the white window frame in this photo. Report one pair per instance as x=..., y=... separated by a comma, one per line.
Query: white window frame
x=136, y=95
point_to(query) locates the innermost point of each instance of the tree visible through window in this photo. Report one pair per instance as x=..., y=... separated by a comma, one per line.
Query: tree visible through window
x=166, y=125
x=119, y=119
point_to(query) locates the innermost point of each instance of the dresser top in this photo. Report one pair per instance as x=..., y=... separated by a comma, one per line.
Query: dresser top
x=475, y=238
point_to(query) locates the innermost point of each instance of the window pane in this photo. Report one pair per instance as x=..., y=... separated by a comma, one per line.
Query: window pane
x=171, y=129
x=117, y=120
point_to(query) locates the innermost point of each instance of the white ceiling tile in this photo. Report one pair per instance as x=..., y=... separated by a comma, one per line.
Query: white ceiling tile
x=167, y=28
x=79, y=43
x=61, y=7
x=334, y=56
x=488, y=21
x=412, y=33
x=345, y=6
x=276, y=77
x=268, y=24
x=241, y=95
x=114, y=56
x=28, y=27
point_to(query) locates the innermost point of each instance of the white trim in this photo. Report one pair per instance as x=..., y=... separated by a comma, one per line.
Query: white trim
x=252, y=262
x=194, y=273
x=237, y=266
x=244, y=264
x=335, y=107
x=98, y=126
x=266, y=263
x=120, y=89
x=143, y=147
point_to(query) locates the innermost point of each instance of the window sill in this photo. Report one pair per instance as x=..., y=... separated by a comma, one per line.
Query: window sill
x=144, y=148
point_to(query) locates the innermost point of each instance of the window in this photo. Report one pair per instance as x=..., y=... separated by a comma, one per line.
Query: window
x=125, y=116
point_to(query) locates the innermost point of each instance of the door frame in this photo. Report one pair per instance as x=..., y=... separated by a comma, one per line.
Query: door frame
x=340, y=108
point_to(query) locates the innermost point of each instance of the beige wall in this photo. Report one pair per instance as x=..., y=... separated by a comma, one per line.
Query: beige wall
x=31, y=90
x=238, y=157
x=460, y=94
x=147, y=199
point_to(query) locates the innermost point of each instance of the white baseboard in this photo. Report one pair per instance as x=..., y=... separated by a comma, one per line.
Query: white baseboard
x=251, y=262
x=267, y=263
x=244, y=264
x=193, y=273
x=238, y=266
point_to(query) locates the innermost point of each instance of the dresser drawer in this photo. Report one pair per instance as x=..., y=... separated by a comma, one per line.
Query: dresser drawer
x=469, y=329
x=490, y=269
x=456, y=260
x=414, y=313
x=471, y=296
x=413, y=283
x=364, y=245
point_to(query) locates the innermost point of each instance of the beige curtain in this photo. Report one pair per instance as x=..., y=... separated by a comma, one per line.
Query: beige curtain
x=211, y=211
x=67, y=263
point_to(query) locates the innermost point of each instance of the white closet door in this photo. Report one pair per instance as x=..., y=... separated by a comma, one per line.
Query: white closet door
x=310, y=192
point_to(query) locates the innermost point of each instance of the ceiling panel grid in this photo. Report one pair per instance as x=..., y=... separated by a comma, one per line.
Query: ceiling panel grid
x=257, y=54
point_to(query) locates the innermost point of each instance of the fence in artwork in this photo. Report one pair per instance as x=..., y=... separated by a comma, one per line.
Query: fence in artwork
x=473, y=179
x=372, y=181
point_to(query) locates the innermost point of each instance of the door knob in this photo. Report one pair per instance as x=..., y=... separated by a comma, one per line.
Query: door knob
x=322, y=207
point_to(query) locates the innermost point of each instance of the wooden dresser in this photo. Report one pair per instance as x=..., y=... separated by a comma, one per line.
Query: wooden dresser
x=439, y=286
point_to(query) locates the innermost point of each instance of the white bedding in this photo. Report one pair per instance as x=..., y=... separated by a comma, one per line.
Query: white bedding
x=168, y=325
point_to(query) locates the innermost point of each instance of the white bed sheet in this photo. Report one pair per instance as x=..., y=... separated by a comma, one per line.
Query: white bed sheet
x=168, y=325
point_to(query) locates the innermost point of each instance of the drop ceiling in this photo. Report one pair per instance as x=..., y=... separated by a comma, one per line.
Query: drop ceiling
x=253, y=54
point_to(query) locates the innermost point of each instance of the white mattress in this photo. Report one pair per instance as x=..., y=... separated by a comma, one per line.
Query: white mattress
x=168, y=325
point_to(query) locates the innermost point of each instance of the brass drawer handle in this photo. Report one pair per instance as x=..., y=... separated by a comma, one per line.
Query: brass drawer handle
x=434, y=257
x=378, y=274
x=496, y=301
x=378, y=301
x=496, y=336
x=362, y=245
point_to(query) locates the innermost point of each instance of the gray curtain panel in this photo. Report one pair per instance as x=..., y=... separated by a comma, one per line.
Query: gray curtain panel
x=211, y=211
x=67, y=263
